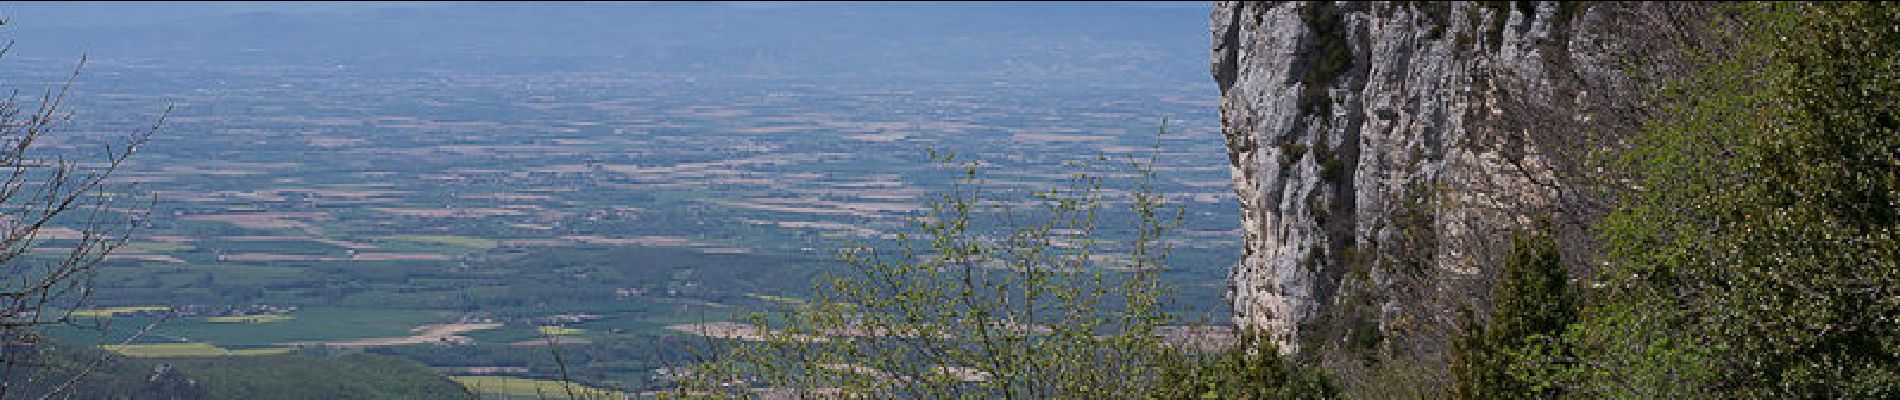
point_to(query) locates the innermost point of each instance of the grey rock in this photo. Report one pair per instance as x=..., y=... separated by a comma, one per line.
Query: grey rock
x=1385, y=153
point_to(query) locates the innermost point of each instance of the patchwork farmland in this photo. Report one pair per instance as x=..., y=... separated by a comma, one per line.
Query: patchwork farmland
x=352, y=216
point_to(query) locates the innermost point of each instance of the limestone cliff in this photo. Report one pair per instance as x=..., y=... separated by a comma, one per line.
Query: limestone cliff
x=1384, y=153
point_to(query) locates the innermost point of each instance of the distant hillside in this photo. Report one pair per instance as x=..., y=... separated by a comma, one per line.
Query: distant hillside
x=354, y=376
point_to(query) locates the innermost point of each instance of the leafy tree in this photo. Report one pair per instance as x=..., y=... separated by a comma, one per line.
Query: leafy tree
x=1532, y=300
x=993, y=299
x=1756, y=253
x=1252, y=368
x=1024, y=314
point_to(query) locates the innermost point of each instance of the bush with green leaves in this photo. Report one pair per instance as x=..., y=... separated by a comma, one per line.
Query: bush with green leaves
x=1531, y=301
x=1756, y=251
x=1251, y=368
x=995, y=294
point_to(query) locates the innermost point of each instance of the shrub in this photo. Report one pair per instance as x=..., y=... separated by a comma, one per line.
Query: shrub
x=1754, y=253
x=1531, y=300
x=1061, y=299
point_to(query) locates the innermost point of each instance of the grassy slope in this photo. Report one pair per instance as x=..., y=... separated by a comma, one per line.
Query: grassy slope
x=355, y=376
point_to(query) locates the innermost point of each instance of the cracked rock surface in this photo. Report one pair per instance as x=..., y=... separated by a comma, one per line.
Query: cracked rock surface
x=1385, y=153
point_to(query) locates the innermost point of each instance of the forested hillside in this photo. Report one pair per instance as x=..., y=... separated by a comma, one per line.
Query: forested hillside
x=79, y=372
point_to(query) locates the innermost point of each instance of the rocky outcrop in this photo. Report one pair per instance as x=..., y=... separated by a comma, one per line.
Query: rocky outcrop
x=1385, y=153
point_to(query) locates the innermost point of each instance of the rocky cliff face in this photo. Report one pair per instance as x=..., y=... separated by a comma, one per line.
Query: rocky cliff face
x=1385, y=153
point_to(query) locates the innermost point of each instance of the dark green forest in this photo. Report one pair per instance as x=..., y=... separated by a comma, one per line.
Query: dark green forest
x=80, y=372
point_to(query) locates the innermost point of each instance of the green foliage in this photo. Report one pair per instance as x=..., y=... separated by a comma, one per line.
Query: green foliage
x=622, y=362
x=1474, y=363
x=1252, y=369
x=1290, y=153
x=989, y=299
x=1532, y=300
x=1331, y=57
x=1332, y=167
x=1533, y=296
x=355, y=376
x=1624, y=349
x=1758, y=252
x=95, y=374
x=1031, y=312
x=63, y=370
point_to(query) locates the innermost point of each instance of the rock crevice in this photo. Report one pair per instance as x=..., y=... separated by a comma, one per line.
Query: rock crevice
x=1383, y=152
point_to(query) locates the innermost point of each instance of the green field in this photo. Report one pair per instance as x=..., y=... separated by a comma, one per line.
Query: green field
x=776, y=299
x=309, y=325
x=559, y=330
x=250, y=319
x=189, y=350
x=264, y=351
x=111, y=311
x=158, y=246
x=452, y=240
x=533, y=388
x=305, y=325
x=257, y=221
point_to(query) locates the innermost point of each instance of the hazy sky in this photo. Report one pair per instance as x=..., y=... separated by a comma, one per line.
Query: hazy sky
x=1157, y=41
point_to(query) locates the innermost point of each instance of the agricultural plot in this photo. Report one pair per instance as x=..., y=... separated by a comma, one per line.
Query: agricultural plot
x=303, y=326
x=559, y=330
x=190, y=350
x=425, y=334
x=251, y=319
x=377, y=204
x=112, y=311
x=451, y=240
x=533, y=388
